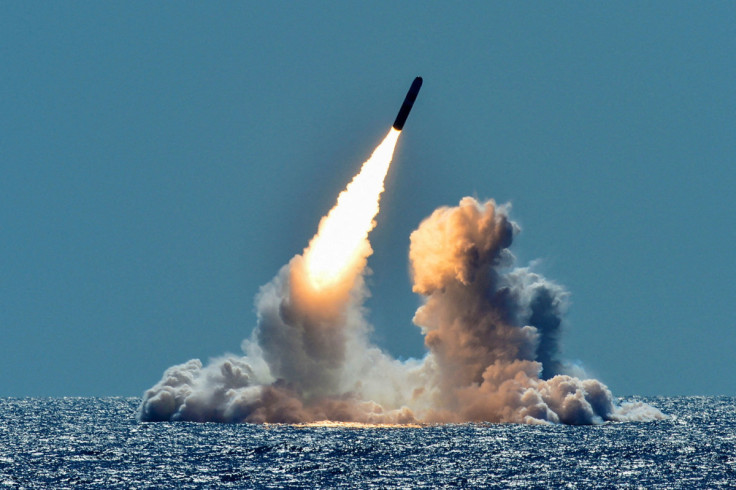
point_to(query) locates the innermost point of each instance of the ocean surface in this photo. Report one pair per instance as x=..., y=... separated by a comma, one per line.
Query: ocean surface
x=97, y=443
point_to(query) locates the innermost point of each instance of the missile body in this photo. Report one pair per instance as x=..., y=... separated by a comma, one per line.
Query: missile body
x=411, y=96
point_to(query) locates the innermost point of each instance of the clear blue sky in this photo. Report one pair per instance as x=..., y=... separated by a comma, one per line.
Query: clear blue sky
x=161, y=161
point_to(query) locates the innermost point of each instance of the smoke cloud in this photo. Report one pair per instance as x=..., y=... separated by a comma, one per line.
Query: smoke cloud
x=492, y=333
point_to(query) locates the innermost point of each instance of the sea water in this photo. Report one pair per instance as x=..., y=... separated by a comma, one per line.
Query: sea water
x=97, y=443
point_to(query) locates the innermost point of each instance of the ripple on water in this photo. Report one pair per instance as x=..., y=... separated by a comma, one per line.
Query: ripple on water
x=96, y=442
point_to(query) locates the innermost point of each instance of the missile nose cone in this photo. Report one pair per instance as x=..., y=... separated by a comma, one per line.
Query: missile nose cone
x=411, y=96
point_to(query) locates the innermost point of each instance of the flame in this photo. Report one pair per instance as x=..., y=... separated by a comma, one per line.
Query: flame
x=341, y=238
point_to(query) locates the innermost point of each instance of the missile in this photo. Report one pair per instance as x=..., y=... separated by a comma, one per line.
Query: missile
x=411, y=96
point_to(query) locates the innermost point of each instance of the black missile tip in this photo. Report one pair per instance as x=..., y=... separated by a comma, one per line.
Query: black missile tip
x=411, y=96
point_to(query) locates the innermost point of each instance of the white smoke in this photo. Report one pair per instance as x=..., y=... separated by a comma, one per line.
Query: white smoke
x=492, y=332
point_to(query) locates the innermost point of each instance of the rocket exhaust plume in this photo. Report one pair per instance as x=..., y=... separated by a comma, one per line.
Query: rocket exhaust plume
x=491, y=331
x=341, y=241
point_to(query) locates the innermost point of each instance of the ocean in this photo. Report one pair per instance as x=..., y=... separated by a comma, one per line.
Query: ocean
x=97, y=443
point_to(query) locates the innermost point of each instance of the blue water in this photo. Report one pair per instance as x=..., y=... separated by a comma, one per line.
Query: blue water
x=96, y=442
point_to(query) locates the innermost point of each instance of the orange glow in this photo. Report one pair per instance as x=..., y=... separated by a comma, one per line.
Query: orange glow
x=358, y=425
x=341, y=239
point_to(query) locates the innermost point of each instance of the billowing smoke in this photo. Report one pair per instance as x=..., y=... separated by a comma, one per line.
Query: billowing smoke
x=492, y=332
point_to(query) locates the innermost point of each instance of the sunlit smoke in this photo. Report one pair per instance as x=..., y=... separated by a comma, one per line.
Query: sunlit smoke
x=341, y=239
x=492, y=333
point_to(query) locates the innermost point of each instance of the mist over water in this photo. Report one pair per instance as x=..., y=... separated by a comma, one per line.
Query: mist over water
x=491, y=329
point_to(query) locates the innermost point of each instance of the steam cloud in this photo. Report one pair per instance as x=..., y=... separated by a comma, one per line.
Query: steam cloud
x=492, y=333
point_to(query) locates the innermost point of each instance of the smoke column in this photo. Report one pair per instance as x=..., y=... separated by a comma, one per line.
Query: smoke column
x=491, y=330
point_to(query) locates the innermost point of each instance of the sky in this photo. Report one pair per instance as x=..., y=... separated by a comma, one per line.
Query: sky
x=159, y=162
